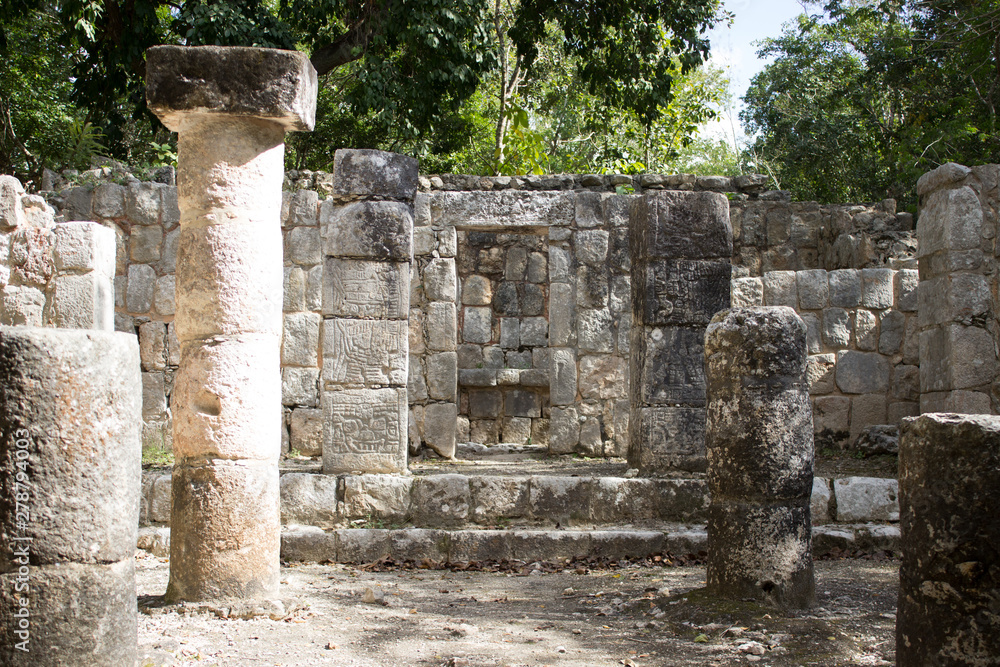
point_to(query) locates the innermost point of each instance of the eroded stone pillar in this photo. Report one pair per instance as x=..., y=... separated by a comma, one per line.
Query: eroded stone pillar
x=70, y=476
x=681, y=244
x=231, y=107
x=949, y=578
x=759, y=439
x=367, y=230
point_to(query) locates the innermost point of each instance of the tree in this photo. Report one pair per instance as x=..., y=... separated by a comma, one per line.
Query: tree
x=403, y=65
x=865, y=97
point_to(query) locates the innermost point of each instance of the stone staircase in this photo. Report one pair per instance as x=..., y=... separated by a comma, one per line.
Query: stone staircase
x=517, y=503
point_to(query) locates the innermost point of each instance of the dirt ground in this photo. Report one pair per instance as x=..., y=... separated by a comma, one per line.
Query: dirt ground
x=636, y=614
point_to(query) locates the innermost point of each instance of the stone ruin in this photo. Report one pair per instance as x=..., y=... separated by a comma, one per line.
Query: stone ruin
x=688, y=325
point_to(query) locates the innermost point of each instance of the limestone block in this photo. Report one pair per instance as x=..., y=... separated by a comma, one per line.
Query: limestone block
x=442, y=376
x=142, y=203
x=440, y=500
x=145, y=244
x=485, y=404
x=838, y=328
x=954, y=297
x=560, y=264
x=683, y=292
x=564, y=430
x=686, y=225
x=905, y=288
x=532, y=300
x=153, y=346
x=300, y=339
x=314, y=288
x=440, y=280
x=537, y=268
x=510, y=332
x=309, y=499
x=877, y=288
x=477, y=291
x=31, y=256
x=173, y=346
x=814, y=333
x=667, y=438
x=306, y=433
x=845, y=288
x=781, y=289
x=589, y=209
x=516, y=430
x=494, y=498
x=168, y=255
x=506, y=209
x=562, y=315
x=591, y=287
x=11, y=211
x=84, y=301
x=862, y=372
x=84, y=246
x=897, y=411
x=961, y=402
x=620, y=299
x=594, y=330
x=82, y=614
x=448, y=243
x=831, y=420
x=591, y=246
x=534, y=332
x=820, y=371
x=279, y=86
x=562, y=500
x=865, y=330
x=380, y=230
x=515, y=264
x=747, y=292
x=164, y=298
x=424, y=241
x=159, y=502
x=357, y=288
x=819, y=501
x=672, y=367
x=944, y=175
x=949, y=572
x=304, y=246
x=243, y=510
x=949, y=220
x=563, y=376
x=370, y=172
x=603, y=377
x=365, y=430
x=867, y=410
x=300, y=386
x=170, y=212
x=892, y=328
x=477, y=325
x=302, y=208
x=862, y=499
x=225, y=398
x=440, y=425
x=956, y=357
x=217, y=295
x=364, y=352
x=519, y=403
x=813, y=289
x=416, y=386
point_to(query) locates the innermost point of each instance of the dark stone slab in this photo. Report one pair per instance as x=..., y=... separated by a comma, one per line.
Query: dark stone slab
x=673, y=366
x=682, y=225
x=667, y=438
x=366, y=172
x=381, y=230
x=681, y=292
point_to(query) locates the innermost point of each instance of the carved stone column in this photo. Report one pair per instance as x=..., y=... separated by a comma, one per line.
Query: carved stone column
x=231, y=107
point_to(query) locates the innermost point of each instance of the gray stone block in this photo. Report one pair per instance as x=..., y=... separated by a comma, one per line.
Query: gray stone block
x=366, y=430
x=306, y=431
x=300, y=339
x=442, y=376
x=838, y=328
x=862, y=372
x=477, y=291
x=560, y=500
x=562, y=315
x=667, y=438
x=878, y=288
x=440, y=425
x=534, y=332
x=369, y=172
x=510, y=332
x=515, y=208
x=309, y=499
x=845, y=288
x=300, y=386
x=440, y=280
x=441, y=326
x=813, y=288
x=956, y=357
x=560, y=264
x=477, y=325
x=949, y=220
x=440, y=500
x=494, y=498
x=676, y=225
x=747, y=292
x=683, y=292
x=358, y=288
x=672, y=369
x=892, y=328
x=591, y=246
x=906, y=282
x=564, y=430
x=139, y=293
x=594, y=330
x=865, y=330
x=300, y=208
x=109, y=201
x=379, y=230
x=591, y=287
x=383, y=497
x=781, y=289
x=362, y=352
x=519, y=403
x=563, y=376
x=864, y=499
x=142, y=203
x=305, y=246
x=820, y=371
x=486, y=404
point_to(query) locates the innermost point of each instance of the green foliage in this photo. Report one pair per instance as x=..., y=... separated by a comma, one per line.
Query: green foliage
x=867, y=96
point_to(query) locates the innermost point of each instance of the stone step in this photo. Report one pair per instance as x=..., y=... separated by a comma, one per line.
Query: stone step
x=366, y=545
x=452, y=501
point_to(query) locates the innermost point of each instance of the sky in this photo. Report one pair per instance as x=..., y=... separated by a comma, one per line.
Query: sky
x=733, y=50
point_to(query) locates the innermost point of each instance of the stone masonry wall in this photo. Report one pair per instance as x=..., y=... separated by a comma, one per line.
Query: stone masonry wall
x=511, y=277
x=862, y=343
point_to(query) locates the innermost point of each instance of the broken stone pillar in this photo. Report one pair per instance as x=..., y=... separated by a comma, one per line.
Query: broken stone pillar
x=759, y=437
x=681, y=244
x=231, y=107
x=70, y=477
x=958, y=278
x=367, y=230
x=949, y=577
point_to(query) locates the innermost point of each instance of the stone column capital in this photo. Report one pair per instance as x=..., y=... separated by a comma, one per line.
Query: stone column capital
x=187, y=82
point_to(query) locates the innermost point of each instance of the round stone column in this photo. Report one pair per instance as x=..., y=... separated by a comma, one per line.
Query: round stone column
x=70, y=477
x=231, y=107
x=949, y=578
x=759, y=440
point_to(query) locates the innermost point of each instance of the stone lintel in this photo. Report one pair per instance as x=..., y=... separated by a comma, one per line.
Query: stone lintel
x=269, y=84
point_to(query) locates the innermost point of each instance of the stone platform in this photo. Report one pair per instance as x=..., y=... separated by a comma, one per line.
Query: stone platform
x=521, y=505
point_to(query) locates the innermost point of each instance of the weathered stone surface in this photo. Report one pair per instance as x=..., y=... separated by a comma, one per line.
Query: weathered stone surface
x=83, y=301
x=496, y=498
x=20, y=305
x=906, y=282
x=667, y=438
x=70, y=396
x=442, y=376
x=533, y=332
x=300, y=208
x=781, y=289
x=304, y=246
x=365, y=352
x=820, y=371
x=813, y=289
x=366, y=430
x=477, y=325
x=184, y=81
x=677, y=225
x=866, y=499
x=944, y=175
x=594, y=331
x=862, y=372
x=673, y=366
x=505, y=209
x=84, y=246
x=759, y=443
x=562, y=500
x=368, y=172
x=440, y=500
x=80, y=614
x=439, y=428
x=477, y=291
x=300, y=339
x=954, y=297
x=949, y=220
x=440, y=280
x=591, y=246
x=603, y=377
x=845, y=288
x=309, y=499
x=383, y=496
x=359, y=288
x=564, y=430
x=563, y=374
x=877, y=285
x=683, y=292
x=441, y=326
x=865, y=330
x=819, y=502
x=381, y=230
x=299, y=386
x=956, y=357
x=306, y=431
x=949, y=576
x=141, y=283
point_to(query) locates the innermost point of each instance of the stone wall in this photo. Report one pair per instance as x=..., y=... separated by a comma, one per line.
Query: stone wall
x=509, y=280
x=862, y=343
